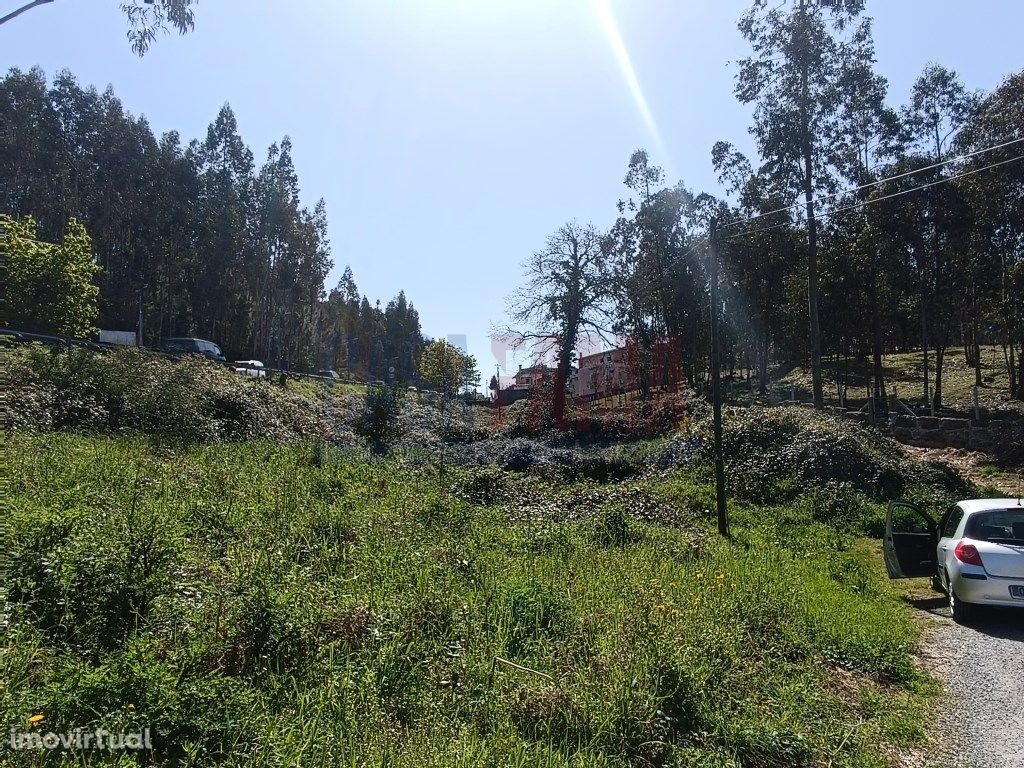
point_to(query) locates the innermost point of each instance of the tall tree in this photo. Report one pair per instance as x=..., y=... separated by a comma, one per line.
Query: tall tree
x=567, y=291
x=657, y=290
x=758, y=257
x=798, y=76
x=47, y=287
x=222, y=286
x=995, y=190
x=193, y=237
x=939, y=107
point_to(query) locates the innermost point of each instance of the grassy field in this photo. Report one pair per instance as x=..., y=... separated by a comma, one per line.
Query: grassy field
x=253, y=607
x=905, y=371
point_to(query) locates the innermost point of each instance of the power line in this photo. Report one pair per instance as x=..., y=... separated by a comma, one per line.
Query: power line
x=865, y=203
x=876, y=183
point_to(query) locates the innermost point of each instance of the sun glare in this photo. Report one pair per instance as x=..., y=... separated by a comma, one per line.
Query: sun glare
x=618, y=45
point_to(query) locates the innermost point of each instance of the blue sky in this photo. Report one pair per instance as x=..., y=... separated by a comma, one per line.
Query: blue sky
x=450, y=137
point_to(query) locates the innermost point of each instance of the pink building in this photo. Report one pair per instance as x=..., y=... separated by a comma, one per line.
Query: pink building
x=604, y=373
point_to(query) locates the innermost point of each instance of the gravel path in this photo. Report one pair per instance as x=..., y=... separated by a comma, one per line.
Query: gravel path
x=982, y=666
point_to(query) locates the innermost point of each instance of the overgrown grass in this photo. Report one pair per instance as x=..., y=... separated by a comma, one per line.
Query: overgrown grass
x=905, y=372
x=255, y=608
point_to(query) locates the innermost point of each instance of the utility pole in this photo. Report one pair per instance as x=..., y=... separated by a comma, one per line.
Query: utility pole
x=716, y=384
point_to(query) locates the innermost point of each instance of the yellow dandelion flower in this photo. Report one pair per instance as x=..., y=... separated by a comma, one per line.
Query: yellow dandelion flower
x=36, y=719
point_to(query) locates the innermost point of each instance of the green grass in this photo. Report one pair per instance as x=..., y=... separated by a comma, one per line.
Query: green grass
x=316, y=391
x=905, y=372
x=255, y=609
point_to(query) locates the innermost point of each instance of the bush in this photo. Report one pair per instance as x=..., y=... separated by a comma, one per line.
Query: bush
x=663, y=413
x=775, y=454
x=528, y=418
x=841, y=506
x=379, y=421
x=187, y=400
x=482, y=486
x=680, y=450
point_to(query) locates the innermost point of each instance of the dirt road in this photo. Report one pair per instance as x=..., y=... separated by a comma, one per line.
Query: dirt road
x=981, y=721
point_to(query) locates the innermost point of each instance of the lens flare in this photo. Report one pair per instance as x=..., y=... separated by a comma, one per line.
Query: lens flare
x=611, y=29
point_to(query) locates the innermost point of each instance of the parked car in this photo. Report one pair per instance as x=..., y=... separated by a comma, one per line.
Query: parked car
x=183, y=346
x=974, y=553
x=332, y=375
x=252, y=368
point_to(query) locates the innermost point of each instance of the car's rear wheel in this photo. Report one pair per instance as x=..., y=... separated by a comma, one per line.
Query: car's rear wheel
x=963, y=613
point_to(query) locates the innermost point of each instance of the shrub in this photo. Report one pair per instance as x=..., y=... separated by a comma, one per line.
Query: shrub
x=379, y=421
x=840, y=505
x=528, y=418
x=680, y=450
x=482, y=486
x=774, y=454
x=613, y=528
x=187, y=400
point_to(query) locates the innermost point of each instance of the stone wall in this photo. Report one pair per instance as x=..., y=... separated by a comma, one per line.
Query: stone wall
x=1003, y=438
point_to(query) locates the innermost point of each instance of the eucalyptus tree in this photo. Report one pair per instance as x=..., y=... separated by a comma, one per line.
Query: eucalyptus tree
x=939, y=107
x=657, y=293
x=146, y=19
x=804, y=65
x=758, y=247
x=204, y=244
x=32, y=174
x=995, y=189
x=220, y=287
x=404, y=340
x=872, y=136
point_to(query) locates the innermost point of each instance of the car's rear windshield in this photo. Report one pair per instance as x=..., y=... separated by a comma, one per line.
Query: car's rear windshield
x=999, y=525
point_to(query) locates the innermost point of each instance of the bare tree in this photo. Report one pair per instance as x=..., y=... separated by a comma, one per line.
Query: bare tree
x=567, y=292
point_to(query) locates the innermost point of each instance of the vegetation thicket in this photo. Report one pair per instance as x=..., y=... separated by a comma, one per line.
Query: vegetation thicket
x=252, y=607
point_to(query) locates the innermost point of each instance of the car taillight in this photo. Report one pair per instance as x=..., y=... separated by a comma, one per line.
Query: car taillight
x=968, y=553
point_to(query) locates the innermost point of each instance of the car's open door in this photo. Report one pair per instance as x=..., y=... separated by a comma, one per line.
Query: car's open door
x=910, y=541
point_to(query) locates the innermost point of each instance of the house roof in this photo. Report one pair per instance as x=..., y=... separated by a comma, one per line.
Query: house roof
x=596, y=355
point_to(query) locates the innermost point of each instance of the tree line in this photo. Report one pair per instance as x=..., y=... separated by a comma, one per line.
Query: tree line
x=858, y=229
x=206, y=242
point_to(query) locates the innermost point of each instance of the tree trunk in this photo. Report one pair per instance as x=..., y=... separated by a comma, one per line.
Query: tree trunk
x=924, y=336
x=876, y=337
x=812, y=240
x=762, y=367
x=1011, y=370
x=976, y=349
x=558, y=401
x=940, y=355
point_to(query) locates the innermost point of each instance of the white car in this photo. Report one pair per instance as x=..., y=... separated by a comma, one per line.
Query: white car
x=252, y=368
x=974, y=553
